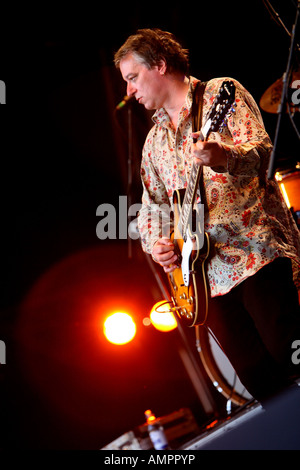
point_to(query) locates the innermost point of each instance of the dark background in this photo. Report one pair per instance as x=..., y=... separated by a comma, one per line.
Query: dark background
x=64, y=152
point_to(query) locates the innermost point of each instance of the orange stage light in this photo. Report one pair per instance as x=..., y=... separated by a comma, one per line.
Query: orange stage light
x=119, y=328
x=162, y=318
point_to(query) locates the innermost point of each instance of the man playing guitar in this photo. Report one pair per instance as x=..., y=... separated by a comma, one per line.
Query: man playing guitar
x=253, y=263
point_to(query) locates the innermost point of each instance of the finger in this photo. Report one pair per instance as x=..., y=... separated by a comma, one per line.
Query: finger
x=164, y=249
x=170, y=268
x=168, y=258
x=197, y=157
x=166, y=241
x=198, y=161
x=161, y=248
x=196, y=135
x=200, y=145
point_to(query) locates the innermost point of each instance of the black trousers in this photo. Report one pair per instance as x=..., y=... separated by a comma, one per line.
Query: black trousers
x=256, y=324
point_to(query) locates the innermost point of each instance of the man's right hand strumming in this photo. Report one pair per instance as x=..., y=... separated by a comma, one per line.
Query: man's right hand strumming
x=164, y=254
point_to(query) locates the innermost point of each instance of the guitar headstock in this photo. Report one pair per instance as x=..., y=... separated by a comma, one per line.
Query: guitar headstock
x=223, y=105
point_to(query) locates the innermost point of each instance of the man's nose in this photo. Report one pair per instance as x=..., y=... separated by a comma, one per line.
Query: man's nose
x=131, y=90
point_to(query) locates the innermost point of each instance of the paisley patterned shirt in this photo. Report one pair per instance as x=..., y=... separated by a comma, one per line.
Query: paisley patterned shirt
x=247, y=220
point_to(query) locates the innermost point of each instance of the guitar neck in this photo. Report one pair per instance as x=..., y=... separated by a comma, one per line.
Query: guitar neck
x=221, y=109
x=191, y=190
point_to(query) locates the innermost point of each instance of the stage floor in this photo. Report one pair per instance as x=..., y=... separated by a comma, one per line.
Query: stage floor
x=276, y=426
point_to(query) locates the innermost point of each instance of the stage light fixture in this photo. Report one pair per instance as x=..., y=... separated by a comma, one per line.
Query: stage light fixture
x=162, y=318
x=119, y=328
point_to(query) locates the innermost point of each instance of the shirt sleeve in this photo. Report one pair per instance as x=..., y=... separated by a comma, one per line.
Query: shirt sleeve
x=246, y=142
x=155, y=217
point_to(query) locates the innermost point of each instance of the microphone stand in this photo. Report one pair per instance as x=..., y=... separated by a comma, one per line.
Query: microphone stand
x=283, y=101
x=191, y=365
x=206, y=398
x=129, y=173
x=127, y=101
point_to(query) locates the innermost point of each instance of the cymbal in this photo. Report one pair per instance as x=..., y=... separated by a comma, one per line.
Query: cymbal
x=271, y=98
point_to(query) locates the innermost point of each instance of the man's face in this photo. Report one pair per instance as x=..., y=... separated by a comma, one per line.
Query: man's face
x=147, y=86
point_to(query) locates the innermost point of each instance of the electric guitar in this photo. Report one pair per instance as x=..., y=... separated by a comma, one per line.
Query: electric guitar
x=191, y=242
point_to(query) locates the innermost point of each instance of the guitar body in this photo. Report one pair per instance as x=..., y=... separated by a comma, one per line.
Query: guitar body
x=188, y=281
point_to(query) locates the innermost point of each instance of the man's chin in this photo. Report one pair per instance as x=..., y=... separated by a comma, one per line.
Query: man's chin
x=148, y=106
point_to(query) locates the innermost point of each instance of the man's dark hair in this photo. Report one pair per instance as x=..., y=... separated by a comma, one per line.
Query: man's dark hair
x=151, y=46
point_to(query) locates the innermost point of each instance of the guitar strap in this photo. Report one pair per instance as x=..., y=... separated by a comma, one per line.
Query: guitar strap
x=197, y=106
x=197, y=112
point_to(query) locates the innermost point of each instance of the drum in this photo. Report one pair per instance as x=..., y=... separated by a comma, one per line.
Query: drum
x=289, y=184
x=220, y=370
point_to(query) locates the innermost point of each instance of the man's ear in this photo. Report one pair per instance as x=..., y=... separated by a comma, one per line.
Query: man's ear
x=162, y=67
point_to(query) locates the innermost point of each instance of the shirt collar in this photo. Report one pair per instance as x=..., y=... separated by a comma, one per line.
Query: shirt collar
x=161, y=116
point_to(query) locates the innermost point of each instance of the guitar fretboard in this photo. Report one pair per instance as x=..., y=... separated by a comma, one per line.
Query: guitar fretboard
x=222, y=107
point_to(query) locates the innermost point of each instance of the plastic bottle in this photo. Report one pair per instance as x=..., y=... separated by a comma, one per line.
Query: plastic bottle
x=156, y=432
